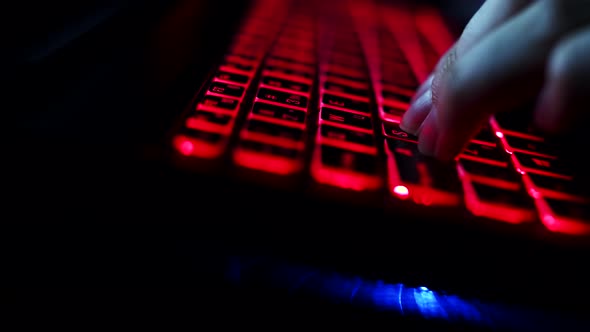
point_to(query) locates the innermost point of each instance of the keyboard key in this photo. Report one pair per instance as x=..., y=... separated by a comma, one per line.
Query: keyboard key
x=394, y=111
x=346, y=118
x=269, y=149
x=204, y=120
x=227, y=89
x=530, y=146
x=347, y=135
x=566, y=216
x=282, y=97
x=285, y=84
x=227, y=76
x=333, y=74
x=392, y=130
x=483, y=151
x=493, y=171
x=220, y=102
x=507, y=202
x=288, y=71
x=335, y=87
x=278, y=112
x=539, y=164
x=571, y=209
x=503, y=196
x=559, y=185
x=387, y=94
x=343, y=102
x=342, y=158
x=267, y=128
x=238, y=66
x=203, y=135
x=418, y=169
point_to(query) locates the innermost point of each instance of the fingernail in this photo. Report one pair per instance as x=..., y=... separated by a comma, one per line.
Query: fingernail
x=417, y=112
x=428, y=134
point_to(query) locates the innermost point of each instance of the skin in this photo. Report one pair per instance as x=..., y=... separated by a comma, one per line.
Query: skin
x=510, y=52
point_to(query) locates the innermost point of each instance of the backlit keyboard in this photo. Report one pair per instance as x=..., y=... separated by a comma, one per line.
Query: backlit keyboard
x=310, y=95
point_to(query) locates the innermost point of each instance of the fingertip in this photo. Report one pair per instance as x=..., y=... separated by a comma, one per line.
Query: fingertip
x=428, y=135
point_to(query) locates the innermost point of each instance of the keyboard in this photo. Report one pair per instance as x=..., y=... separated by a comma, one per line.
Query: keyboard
x=309, y=97
x=306, y=102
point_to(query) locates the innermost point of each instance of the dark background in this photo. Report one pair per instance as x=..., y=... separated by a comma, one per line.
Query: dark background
x=92, y=216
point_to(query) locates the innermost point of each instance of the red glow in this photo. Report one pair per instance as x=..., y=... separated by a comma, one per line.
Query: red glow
x=432, y=25
x=341, y=177
x=186, y=147
x=501, y=212
x=397, y=20
x=345, y=179
x=266, y=162
x=561, y=224
x=196, y=148
x=200, y=124
x=551, y=221
x=423, y=193
x=401, y=191
x=499, y=134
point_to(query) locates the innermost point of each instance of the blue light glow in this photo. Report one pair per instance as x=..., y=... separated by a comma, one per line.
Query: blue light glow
x=396, y=298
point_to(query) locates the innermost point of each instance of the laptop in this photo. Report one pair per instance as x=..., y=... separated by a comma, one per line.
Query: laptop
x=279, y=174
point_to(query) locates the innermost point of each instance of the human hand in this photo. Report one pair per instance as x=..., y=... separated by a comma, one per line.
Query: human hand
x=510, y=52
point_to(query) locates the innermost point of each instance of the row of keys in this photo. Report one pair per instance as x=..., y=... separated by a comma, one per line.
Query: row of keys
x=207, y=129
x=563, y=204
x=345, y=152
x=273, y=138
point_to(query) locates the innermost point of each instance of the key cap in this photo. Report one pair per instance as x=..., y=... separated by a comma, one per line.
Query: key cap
x=346, y=118
x=278, y=112
x=285, y=84
x=219, y=102
x=267, y=128
x=282, y=97
x=227, y=89
x=343, y=102
x=351, y=136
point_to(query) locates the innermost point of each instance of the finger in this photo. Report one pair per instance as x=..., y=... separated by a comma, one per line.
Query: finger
x=491, y=14
x=417, y=113
x=562, y=105
x=423, y=88
x=419, y=108
x=498, y=73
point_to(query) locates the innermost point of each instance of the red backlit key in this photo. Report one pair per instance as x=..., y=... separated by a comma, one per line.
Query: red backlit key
x=478, y=151
x=281, y=97
x=227, y=89
x=214, y=102
x=392, y=130
x=494, y=190
x=279, y=112
x=425, y=180
x=285, y=84
x=232, y=77
x=346, y=118
x=343, y=102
